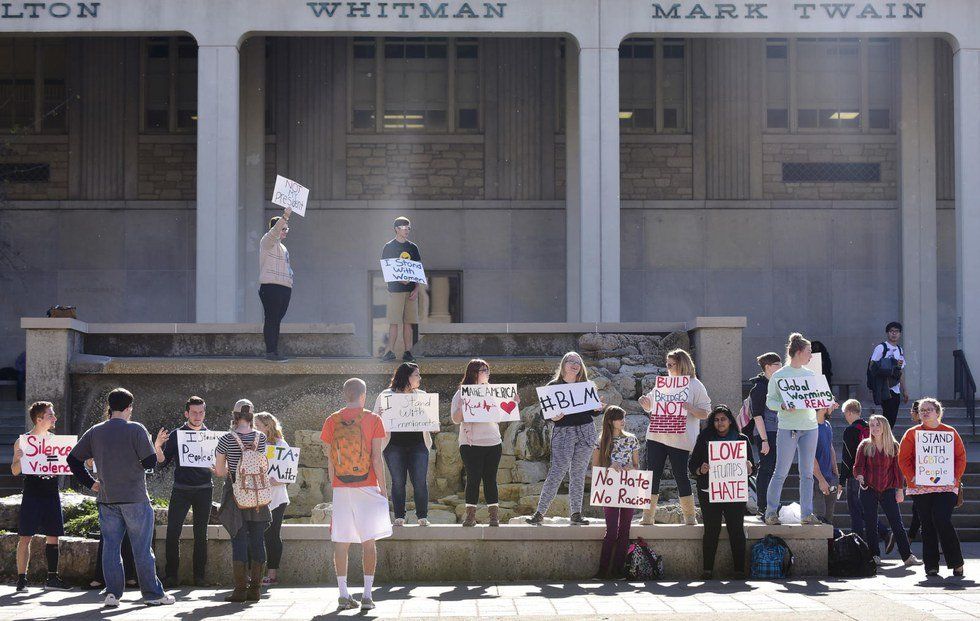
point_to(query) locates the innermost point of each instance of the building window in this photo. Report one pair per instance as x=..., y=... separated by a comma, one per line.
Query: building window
x=169, y=77
x=415, y=84
x=830, y=84
x=831, y=172
x=653, y=85
x=33, y=96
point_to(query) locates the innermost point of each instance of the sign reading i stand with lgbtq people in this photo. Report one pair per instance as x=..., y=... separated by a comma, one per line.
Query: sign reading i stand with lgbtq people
x=669, y=395
x=728, y=472
x=403, y=270
x=283, y=463
x=196, y=448
x=811, y=392
x=46, y=455
x=628, y=489
x=288, y=193
x=418, y=411
x=489, y=403
x=934, y=457
x=568, y=399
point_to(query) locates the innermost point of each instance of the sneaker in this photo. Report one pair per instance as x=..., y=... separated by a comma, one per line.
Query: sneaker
x=891, y=543
x=423, y=522
x=367, y=604
x=164, y=600
x=406, y=357
x=912, y=560
x=811, y=520
x=389, y=357
x=21, y=584
x=346, y=603
x=959, y=571
x=577, y=520
x=275, y=357
x=55, y=583
x=772, y=519
x=399, y=522
x=535, y=520
x=877, y=560
x=932, y=572
x=111, y=601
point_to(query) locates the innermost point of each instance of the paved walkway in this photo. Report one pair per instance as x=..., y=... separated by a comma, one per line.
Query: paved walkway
x=896, y=593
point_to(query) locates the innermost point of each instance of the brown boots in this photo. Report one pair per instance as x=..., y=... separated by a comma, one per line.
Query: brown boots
x=254, y=591
x=248, y=582
x=238, y=595
x=470, y=519
x=494, y=515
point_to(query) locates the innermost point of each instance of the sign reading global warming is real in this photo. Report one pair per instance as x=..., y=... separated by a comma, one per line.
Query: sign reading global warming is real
x=669, y=394
x=811, y=392
x=728, y=472
x=934, y=457
x=628, y=489
x=46, y=455
x=403, y=270
x=196, y=448
x=489, y=403
x=567, y=399
x=410, y=411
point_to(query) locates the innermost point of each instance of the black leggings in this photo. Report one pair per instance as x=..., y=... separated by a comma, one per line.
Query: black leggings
x=273, y=542
x=657, y=455
x=734, y=514
x=481, y=464
x=275, y=301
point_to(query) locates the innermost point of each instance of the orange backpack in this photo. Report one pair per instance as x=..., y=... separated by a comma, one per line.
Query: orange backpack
x=351, y=461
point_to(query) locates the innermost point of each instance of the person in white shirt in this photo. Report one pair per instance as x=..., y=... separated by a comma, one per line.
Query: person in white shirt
x=893, y=394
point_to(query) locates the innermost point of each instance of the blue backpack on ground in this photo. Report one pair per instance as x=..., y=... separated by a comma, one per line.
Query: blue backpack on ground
x=771, y=559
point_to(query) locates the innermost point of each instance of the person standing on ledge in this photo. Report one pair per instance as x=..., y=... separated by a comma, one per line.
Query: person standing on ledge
x=275, y=281
x=403, y=297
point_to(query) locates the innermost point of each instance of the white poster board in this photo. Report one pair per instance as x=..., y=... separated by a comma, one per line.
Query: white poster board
x=196, y=448
x=568, y=399
x=934, y=457
x=410, y=412
x=403, y=270
x=288, y=193
x=811, y=392
x=283, y=463
x=728, y=472
x=815, y=364
x=489, y=403
x=46, y=455
x=669, y=395
x=628, y=489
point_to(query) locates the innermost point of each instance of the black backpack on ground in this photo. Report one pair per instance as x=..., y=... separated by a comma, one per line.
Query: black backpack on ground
x=850, y=557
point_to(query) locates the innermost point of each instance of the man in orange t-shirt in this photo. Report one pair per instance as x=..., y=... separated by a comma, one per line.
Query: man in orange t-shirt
x=353, y=441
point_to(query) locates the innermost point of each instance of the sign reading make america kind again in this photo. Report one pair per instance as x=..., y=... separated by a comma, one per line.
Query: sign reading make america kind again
x=802, y=10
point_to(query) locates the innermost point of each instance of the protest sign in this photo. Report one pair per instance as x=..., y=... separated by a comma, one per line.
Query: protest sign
x=629, y=489
x=46, y=455
x=283, y=463
x=568, y=399
x=196, y=448
x=815, y=364
x=410, y=412
x=934, y=457
x=489, y=403
x=402, y=270
x=669, y=395
x=810, y=392
x=288, y=193
x=728, y=472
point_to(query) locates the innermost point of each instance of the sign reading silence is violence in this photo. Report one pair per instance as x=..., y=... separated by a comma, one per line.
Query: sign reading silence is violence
x=46, y=455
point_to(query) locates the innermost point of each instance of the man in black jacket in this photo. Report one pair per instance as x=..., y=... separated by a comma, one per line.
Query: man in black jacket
x=766, y=425
x=857, y=430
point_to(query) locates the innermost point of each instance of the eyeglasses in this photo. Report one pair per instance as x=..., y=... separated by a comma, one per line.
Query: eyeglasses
x=483, y=370
x=575, y=362
x=404, y=228
x=671, y=365
x=285, y=229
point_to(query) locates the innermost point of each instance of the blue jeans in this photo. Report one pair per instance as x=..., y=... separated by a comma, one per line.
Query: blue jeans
x=249, y=543
x=404, y=462
x=767, y=465
x=856, y=510
x=787, y=443
x=870, y=500
x=136, y=520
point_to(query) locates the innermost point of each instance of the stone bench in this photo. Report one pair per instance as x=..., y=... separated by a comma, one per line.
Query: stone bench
x=512, y=552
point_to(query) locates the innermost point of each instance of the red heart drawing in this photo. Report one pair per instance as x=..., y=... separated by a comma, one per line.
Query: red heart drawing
x=508, y=406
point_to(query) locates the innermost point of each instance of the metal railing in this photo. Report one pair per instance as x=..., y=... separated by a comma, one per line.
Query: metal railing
x=964, y=386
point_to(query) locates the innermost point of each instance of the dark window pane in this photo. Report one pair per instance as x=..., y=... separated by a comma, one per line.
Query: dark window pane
x=438, y=50
x=415, y=50
x=468, y=118
x=644, y=50
x=806, y=118
x=880, y=119
x=158, y=49
x=394, y=50
x=36, y=172
x=467, y=50
x=673, y=50
x=156, y=120
x=645, y=118
x=364, y=50
x=776, y=51
x=777, y=118
x=831, y=172
x=186, y=119
x=435, y=119
x=670, y=118
x=363, y=119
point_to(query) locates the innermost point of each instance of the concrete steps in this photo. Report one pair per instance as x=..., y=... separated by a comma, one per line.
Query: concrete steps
x=11, y=427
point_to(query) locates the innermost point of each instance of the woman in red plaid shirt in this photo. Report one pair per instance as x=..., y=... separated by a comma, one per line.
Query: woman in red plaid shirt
x=882, y=483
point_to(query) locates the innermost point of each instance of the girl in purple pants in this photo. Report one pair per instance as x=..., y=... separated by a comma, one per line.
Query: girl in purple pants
x=618, y=449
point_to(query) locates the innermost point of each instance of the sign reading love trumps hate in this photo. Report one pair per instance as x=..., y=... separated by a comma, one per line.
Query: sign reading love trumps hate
x=46, y=455
x=283, y=463
x=196, y=448
x=489, y=403
x=628, y=489
x=403, y=270
x=410, y=411
x=669, y=395
x=934, y=457
x=812, y=392
x=567, y=399
x=728, y=472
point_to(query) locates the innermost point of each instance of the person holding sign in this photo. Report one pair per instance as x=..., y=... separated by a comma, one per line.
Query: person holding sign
x=876, y=470
x=932, y=457
x=407, y=452
x=480, y=446
x=572, y=443
x=620, y=450
x=677, y=405
x=722, y=462
x=403, y=297
x=797, y=431
x=275, y=281
x=40, y=505
x=269, y=425
x=192, y=491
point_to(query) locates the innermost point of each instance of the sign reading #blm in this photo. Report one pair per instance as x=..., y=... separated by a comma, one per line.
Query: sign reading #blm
x=403, y=270
x=410, y=411
x=46, y=455
x=489, y=403
x=628, y=489
x=196, y=448
x=812, y=393
x=728, y=472
x=567, y=399
x=934, y=457
x=669, y=395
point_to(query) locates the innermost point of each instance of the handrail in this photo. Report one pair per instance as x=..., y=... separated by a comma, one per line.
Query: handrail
x=965, y=386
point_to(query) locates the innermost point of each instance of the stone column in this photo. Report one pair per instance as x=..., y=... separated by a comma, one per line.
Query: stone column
x=439, y=300
x=966, y=124
x=51, y=343
x=253, y=223
x=917, y=189
x=718, y=355
x=218, y=233
x=592, y=186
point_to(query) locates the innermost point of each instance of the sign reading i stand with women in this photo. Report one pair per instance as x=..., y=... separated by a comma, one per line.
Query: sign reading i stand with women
x=669, y=395
x=934, y=457
x=811, y=393
x=628, y=489
x=403, y=270
x=46, y=455
x=568, y=399
x=410, y=411
x=728, y=473
x=489, y=403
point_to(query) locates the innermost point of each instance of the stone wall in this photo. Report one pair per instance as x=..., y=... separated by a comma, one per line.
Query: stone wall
x=415, y=171
x=54, y=154
x=774, y=154
x=656, y=171
x=167, y=171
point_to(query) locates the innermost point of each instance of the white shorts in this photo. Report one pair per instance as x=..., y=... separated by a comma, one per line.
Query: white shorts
x=359, y=514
